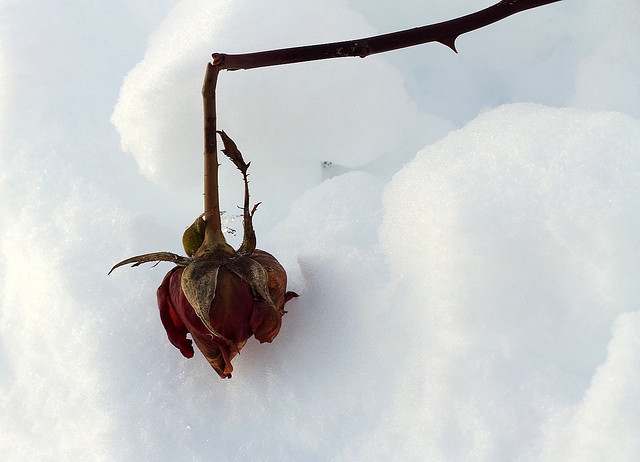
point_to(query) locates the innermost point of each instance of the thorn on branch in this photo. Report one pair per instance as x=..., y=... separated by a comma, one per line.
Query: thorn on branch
x=255, y=207
x=450, y=42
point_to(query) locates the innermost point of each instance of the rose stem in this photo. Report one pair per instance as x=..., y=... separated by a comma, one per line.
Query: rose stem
x=444, y=32
x=214, y=237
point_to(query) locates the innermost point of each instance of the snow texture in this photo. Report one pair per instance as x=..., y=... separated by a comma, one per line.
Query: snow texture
x=462, y=230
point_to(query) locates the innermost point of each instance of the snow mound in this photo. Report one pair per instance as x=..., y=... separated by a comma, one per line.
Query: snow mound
x=515, y=243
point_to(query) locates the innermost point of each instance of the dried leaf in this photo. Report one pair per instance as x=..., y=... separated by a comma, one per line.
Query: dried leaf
x=231, y=151
x=155, y=256
x=253, y=273
x=199, y=283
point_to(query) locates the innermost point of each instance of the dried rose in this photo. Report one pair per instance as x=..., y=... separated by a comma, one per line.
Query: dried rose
x=235, y=313
x=218, y=295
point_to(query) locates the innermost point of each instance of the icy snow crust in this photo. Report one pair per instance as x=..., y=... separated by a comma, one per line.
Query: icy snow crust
x=469, y=288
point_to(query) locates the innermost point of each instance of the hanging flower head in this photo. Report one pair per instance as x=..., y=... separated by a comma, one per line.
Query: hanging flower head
x=219, y=296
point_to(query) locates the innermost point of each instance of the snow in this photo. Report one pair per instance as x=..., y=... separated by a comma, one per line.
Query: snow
x=468, y=268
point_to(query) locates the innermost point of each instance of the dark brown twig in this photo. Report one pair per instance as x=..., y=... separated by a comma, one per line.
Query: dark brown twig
x=444, y=32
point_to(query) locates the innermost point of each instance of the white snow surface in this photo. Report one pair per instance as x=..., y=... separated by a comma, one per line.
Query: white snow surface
x=468, y=269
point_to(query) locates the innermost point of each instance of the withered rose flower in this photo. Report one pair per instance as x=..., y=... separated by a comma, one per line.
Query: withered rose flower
x=217, y=295
x=235, y=314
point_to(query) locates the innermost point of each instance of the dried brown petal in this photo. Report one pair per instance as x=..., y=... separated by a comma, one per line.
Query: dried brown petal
x=265, y=320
